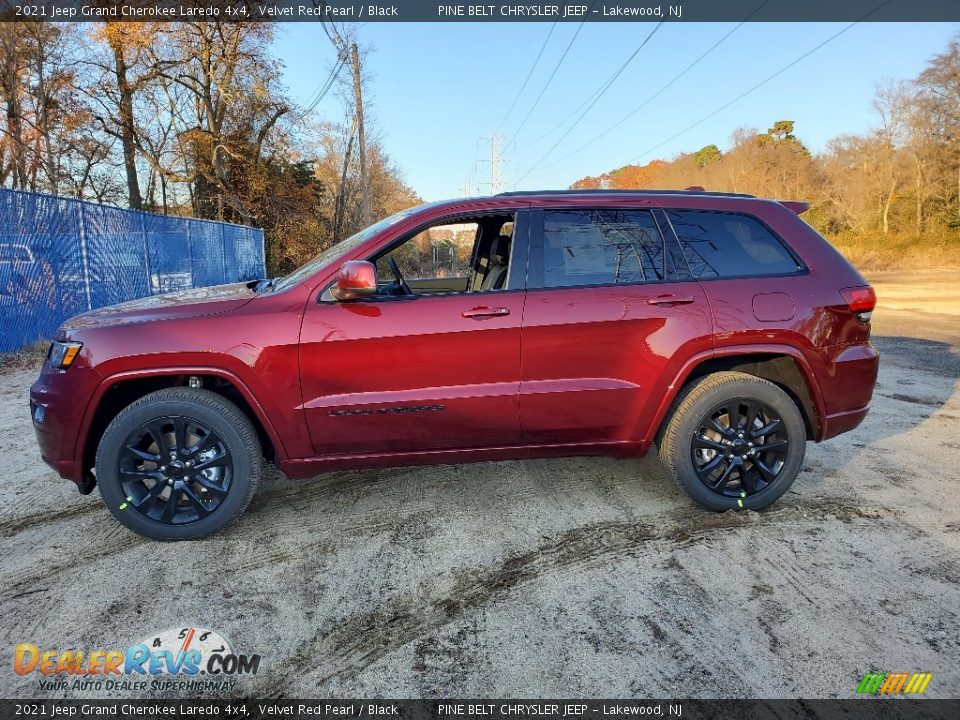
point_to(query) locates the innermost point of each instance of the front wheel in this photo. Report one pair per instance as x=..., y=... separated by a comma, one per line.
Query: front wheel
x=734, y=441
x=178, y=464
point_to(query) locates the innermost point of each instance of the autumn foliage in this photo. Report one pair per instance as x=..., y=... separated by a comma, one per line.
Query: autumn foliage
x=888, y=197
x=184, y=118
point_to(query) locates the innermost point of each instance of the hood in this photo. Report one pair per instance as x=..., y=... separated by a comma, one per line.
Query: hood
x=186, y=303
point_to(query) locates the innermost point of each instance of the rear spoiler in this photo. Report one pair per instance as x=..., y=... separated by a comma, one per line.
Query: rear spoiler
x=798, y=206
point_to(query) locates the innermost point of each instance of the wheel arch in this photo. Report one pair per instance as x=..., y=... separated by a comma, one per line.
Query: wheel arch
x=119, y=391
x=784, y=366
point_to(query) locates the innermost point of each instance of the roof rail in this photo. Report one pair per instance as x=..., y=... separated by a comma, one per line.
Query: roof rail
x=623, y=192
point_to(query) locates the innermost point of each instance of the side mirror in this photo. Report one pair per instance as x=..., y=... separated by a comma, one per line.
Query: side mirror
x=356, y=279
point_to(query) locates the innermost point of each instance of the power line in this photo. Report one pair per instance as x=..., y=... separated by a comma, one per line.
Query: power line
x=759, y=84
x=560, y=124
x=603, y=89
x=527, y=79
x=659, y=92
x=550, y=79
x=325, y=88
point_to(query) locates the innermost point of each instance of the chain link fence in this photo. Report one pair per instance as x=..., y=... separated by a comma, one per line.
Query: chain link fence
x=60, y=257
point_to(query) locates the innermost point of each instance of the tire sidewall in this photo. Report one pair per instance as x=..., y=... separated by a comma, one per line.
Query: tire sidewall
x=768, y=394
x=108, y=461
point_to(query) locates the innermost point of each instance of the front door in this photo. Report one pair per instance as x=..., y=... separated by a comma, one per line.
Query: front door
x=433, y=366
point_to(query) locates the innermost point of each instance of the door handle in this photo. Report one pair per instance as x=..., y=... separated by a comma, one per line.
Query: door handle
x=670, y=300
x=484, y=311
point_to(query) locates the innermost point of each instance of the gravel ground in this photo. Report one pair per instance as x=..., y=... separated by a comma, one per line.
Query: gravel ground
x=547, y=578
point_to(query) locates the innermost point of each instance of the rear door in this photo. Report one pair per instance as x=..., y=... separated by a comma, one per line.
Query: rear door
x=611, y=311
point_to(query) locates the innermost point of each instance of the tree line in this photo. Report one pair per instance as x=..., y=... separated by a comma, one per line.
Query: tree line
x=895, y=186
x=190, y=118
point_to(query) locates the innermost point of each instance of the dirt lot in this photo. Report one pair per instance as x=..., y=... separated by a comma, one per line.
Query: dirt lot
x=562, y=578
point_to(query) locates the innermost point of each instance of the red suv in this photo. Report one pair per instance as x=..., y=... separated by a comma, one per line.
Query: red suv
x=719, y=327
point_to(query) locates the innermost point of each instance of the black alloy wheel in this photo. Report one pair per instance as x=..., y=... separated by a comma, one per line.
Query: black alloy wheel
x=740, y=447
x=733, y=441
x=178, y=464
x=175, y=470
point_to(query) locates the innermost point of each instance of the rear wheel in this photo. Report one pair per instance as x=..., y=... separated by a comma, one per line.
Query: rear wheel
x=734, y=441
x=178, y=464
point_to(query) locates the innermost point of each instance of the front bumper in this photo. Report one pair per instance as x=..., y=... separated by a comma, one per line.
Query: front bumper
x=58, y=402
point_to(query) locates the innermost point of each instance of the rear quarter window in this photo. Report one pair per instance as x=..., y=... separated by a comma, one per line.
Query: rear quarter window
x=721, y=244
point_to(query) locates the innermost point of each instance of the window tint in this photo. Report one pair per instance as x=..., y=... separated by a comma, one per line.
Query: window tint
x=720, y=244
x=600, y=247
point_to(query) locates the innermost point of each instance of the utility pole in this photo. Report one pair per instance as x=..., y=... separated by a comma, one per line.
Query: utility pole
x=361, y=141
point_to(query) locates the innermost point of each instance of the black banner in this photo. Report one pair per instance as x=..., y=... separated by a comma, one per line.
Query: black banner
x=437, y=11
x=857, y=709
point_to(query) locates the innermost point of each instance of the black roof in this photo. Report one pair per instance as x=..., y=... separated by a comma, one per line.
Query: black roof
x=623, y=192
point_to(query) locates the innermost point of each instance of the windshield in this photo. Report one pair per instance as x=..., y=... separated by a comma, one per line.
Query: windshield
x=340, y=249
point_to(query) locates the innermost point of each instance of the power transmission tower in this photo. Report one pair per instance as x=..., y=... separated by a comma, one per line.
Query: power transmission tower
x=496, y=161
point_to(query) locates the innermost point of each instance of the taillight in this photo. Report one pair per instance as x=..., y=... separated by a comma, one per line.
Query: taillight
x=861, y=300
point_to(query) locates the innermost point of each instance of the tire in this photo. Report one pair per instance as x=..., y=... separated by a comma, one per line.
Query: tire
x=194, y=441
x=700, y=433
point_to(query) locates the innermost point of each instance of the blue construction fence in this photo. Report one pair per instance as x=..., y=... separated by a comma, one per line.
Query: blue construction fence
x=60, y=257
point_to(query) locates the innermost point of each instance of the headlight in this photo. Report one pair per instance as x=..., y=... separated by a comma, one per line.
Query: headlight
x=62, y=354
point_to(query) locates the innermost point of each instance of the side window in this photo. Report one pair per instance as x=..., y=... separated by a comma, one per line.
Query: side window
x=601, y=247
x=468, y=255
x=719, y=244
x=442, y=251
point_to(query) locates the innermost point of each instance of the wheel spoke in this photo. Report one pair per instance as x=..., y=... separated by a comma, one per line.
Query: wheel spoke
x=704, y=470
x=705, y=443
x=751, y=414
x=143, y=474
x=155, y=429
x=767, y=429
x=724, y=478
x=768, y=474
x=221, y=460
x=748, y=480
x=179, y=434
x=725, y=431
x=204, y=443
x=143, y=454
x=196, y=501
x=211, y=485
x=733, y=415
x=773, y=446
x=170, y=508
x=151, y=496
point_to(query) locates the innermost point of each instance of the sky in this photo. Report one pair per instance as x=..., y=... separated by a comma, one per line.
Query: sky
x=436, y=90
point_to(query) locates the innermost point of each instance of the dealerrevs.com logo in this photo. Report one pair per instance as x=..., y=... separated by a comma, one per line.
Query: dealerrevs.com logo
x=189, y=658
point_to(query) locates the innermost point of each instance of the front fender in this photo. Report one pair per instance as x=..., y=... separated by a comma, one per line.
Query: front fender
x=276, y=438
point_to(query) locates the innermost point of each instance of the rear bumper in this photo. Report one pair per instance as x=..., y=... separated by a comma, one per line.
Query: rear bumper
x=842, y=422
x=846, y=385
